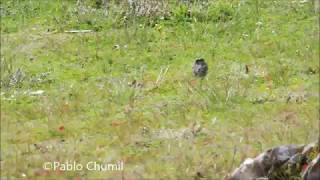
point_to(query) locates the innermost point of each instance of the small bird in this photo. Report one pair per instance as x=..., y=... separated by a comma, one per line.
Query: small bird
x=200, y=68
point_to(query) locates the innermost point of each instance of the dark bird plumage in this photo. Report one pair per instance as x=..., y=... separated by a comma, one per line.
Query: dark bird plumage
x=200, y=68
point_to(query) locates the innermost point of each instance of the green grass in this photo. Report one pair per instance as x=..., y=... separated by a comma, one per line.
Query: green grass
x=173, y=128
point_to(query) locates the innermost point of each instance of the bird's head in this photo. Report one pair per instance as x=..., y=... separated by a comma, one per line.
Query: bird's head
x=199, y=61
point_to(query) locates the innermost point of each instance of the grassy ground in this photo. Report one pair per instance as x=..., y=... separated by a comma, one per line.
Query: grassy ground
x=126, y=92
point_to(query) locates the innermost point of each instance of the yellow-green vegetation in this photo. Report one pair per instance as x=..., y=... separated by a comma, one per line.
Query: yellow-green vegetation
x=125, y=90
